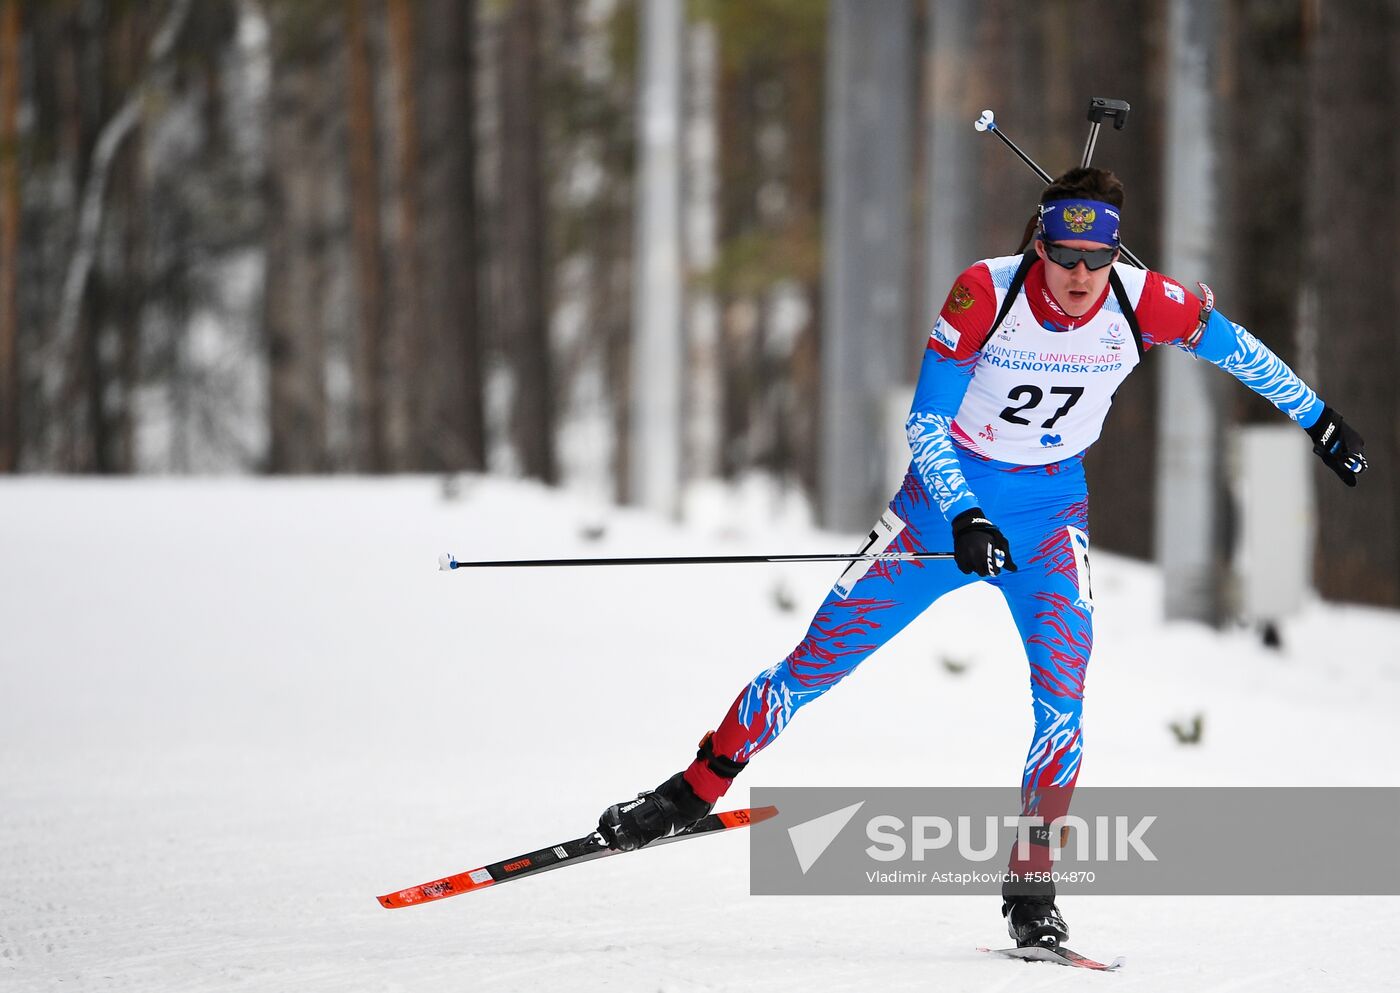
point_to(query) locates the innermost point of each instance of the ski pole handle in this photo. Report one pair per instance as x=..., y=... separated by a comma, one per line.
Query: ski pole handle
x=1100, y=110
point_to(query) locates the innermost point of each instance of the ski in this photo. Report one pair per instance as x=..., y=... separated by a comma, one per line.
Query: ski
x=584, y=849
x=1059, y=954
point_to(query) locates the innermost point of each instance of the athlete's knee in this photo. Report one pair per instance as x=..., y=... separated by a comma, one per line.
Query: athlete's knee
x=1057, y=677
x=1054, y=712
x=814, y=667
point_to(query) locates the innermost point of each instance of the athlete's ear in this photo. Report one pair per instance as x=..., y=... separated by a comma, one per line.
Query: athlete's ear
x=1039, y=248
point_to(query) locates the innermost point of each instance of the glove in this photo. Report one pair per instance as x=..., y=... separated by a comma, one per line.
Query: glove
x=1338, y=445
x=979, y=546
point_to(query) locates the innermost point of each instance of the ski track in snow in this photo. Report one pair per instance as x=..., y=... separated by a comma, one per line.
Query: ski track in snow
x=232, y=712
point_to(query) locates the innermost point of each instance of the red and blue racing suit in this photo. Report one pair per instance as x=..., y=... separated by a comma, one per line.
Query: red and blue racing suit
x=1001, y=422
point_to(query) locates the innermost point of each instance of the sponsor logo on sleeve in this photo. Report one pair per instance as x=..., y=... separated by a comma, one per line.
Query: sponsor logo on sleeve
x=946, y=335
x=1174, y=291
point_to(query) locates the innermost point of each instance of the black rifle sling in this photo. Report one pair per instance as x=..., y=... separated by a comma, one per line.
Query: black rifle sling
x=1119, y=293
x=1017, y=281
x=1126, y=306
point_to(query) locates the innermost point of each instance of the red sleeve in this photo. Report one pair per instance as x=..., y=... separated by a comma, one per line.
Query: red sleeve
x=966, y=318
x=1167, y=311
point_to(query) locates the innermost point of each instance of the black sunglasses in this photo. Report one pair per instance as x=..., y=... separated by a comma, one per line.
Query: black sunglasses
x=1094, y=258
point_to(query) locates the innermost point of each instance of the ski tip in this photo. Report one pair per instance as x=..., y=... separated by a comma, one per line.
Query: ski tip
x=446, y=562
x=745, y=816
x=762, y=814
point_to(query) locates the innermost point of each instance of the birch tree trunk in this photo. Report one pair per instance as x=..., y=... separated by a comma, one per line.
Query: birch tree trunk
x=804, y=79
x=865, y=329
x=403, y=360
x=9, y=235
x=299, y=236
x=656, y=320
x=704, y=384
x=1190, y=482
x=364, y=210
x=522, y=300
x=448, y=380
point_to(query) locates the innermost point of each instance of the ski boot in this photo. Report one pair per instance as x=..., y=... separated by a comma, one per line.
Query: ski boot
x=1034, y=920
x=672, y=806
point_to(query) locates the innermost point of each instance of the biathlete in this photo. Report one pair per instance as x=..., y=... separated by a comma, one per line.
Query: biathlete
x=1021, y=368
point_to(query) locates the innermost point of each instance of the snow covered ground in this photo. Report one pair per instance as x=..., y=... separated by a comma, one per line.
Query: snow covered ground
x=232, y=712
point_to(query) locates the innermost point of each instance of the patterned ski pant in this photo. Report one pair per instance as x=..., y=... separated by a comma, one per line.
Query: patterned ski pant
x=1043, y=511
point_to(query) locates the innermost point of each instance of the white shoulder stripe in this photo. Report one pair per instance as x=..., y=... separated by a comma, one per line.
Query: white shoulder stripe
x=1134, y=281
x=1002, y=269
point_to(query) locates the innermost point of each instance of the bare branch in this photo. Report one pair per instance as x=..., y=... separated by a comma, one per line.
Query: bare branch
x=56, y=368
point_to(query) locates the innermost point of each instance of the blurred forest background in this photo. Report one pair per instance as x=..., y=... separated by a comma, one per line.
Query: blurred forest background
x=372, y=236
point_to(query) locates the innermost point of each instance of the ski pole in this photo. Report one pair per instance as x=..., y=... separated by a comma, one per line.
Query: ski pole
x=447, y=562
x=987, y=122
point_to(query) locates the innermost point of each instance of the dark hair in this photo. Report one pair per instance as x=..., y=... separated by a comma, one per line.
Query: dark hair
x=1090, y=183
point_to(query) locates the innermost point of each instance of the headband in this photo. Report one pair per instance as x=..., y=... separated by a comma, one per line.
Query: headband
x=1090, y=220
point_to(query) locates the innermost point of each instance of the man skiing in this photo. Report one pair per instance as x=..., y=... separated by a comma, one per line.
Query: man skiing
x=1020, y=371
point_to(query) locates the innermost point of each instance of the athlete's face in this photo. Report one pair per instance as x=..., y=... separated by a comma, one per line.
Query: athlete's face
x=1077, y=289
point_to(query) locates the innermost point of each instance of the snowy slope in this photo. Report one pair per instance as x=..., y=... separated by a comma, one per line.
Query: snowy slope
x=231, y=712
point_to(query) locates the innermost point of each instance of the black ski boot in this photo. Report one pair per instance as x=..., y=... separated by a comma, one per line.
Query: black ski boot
x=670, y=807
x=1034, y=920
